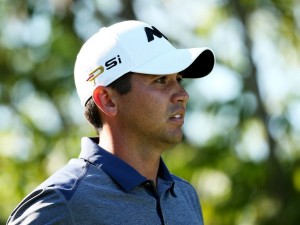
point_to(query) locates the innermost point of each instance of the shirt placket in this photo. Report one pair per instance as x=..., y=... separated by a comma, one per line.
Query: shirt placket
x=157, y=192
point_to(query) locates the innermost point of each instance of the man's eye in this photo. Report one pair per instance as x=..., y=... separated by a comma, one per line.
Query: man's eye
x=179, y=80
x=161, y=80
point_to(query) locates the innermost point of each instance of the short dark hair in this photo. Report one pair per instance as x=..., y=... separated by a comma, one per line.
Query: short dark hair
x=122, y=85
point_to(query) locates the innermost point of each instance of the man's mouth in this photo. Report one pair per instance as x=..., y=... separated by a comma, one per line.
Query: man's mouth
x=177, y=116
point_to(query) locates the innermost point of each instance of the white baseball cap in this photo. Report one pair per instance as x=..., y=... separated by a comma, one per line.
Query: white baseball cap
x=134, y=46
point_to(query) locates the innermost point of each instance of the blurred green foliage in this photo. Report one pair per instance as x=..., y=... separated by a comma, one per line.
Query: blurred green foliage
x=243, y=156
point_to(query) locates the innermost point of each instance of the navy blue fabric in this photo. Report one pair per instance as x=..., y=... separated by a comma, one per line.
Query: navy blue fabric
x=122, y=173
x=99, y=188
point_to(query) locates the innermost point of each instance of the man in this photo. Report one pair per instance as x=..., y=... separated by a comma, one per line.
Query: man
x=128, y=79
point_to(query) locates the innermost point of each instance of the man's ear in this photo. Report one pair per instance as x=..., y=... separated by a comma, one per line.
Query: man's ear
x=103, y=97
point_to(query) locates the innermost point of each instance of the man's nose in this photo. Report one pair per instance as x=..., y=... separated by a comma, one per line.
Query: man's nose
x=180, y=95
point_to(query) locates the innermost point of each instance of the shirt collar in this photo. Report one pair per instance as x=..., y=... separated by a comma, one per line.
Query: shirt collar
x=122, y=173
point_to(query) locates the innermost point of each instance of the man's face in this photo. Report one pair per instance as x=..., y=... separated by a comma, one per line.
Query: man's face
x=153, y=111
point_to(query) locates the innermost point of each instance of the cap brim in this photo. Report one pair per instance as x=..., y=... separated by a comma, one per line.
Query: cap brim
x=191, y=63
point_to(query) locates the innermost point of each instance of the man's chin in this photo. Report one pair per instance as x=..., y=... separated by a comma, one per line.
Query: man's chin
x=175, y=140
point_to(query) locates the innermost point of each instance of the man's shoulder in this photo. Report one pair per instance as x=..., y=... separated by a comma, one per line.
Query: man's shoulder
x=61, y=194
x=76, y=173
x=182, y=184
x=180, y=180
x=67, y=176
x=48, y=202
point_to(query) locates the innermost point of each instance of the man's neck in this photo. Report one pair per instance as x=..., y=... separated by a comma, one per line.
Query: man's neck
x=144, y=158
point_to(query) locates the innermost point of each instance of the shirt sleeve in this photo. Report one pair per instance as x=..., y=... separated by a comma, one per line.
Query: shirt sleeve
x=43, y=206
x=197, y=202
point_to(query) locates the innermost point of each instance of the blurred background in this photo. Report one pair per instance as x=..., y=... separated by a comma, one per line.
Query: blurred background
x=241, y=149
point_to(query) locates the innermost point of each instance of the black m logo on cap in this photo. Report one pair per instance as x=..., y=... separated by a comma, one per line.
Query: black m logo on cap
x=153, y=32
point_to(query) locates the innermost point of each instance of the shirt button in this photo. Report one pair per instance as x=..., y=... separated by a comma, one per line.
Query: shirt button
x=147, y=185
